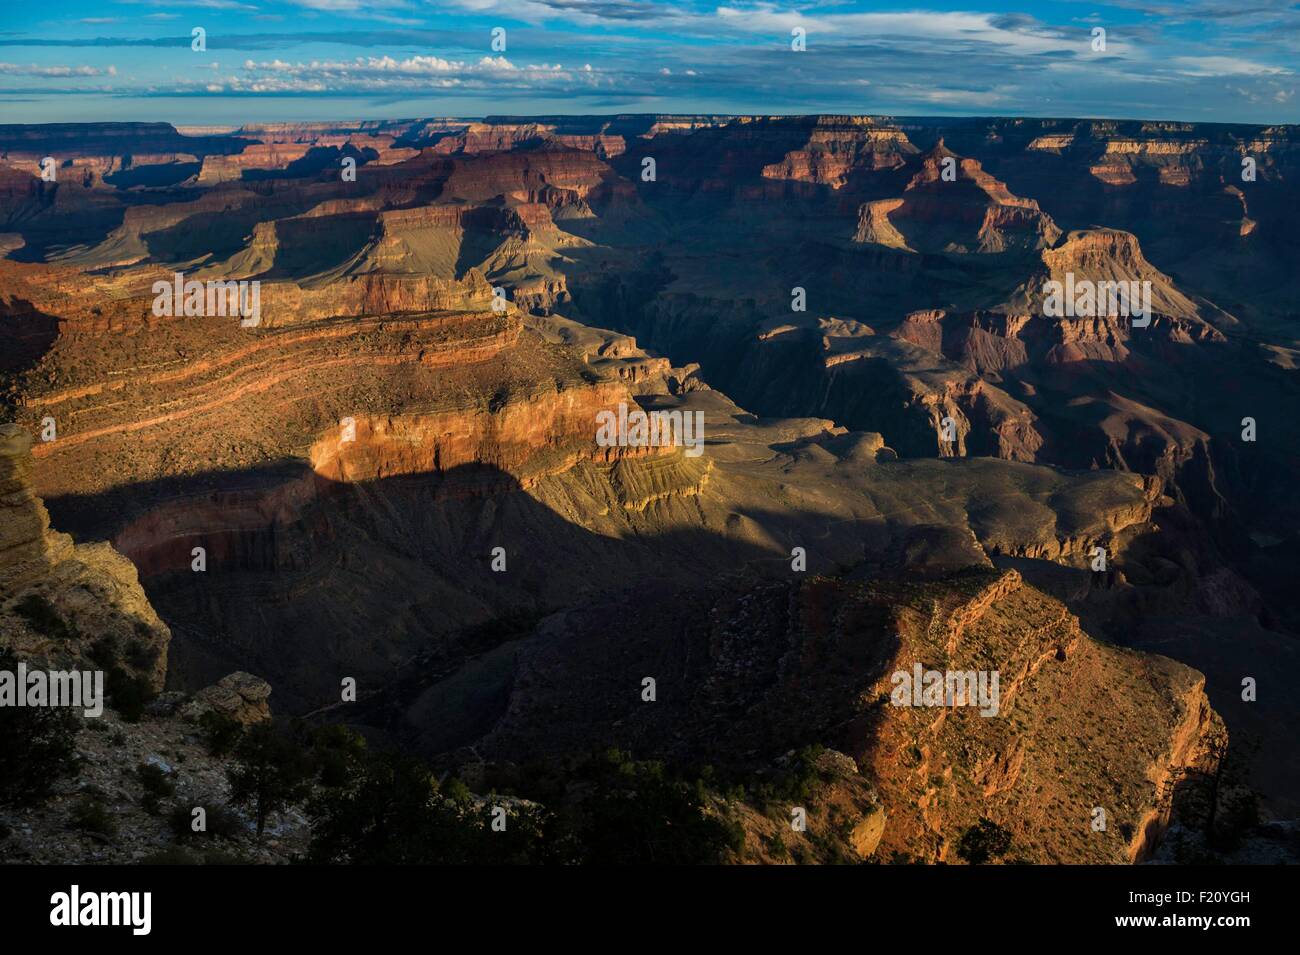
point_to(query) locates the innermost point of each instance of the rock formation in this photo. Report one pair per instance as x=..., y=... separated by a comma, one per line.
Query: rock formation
x=757, y=673
x=71, y=605
x=240, y=697
x=393, y=473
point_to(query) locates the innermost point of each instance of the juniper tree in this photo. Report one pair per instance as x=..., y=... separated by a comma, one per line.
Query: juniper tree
x=270, y=773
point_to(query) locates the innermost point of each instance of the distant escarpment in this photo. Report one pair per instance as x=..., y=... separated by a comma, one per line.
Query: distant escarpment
x=952, y=204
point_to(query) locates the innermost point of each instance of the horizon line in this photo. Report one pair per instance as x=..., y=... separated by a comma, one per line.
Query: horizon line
x=499, y=117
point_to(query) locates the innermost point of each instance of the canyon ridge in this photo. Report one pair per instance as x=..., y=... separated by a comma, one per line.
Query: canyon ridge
x=389, y=479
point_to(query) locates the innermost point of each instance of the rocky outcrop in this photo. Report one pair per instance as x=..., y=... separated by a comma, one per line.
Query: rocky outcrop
x=527, y=436
x=951, y=204
x=73, y=605
x=1047, y=794
x=763, y=672
x=263, y=156
x=240, y=697
x=839, y=147
x=237, y=367
x=28, y=549
x=65, y=606
x=1109, y=255
x=503, y=137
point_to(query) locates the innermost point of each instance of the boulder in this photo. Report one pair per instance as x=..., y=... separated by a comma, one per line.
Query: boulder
x=867, y=832
x=239, y=696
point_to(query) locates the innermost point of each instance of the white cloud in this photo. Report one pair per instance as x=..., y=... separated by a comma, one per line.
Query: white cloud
x=1223, y=66
x=414, y=73
x=31, y=69
x=974, y=99
x=940, y=26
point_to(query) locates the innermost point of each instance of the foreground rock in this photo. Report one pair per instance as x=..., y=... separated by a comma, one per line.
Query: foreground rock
x=69, y=605
x=240, y=697
x=103, y=815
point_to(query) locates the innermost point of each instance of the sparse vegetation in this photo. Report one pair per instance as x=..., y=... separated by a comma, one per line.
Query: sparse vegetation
x=983, y=842
x=336, y=752
x=775, y=846
x=128, y=694
x=103, y=652
x=92, y=816
x=270, y=772
x=141, y=655
x=43, y=618
x=37, y=748
x=221, y=733
x=640, y=812
x=797, y=784
x=156, y=787
x=608, y=809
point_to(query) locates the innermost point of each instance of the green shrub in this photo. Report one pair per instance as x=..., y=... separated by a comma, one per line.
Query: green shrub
x=37, y=748
x=336, y=752
x=141, y=655
x=128, y=694
x=639, y=812
x=607, y=809
x=983, y=842
x=91, y=815
x=43, y=618
x=392, y=813
x=221, y=733
x=157, y=786
x=455, y=790
x=104, y=652
x=154, y=779
x=797, y=783
x=270, y=772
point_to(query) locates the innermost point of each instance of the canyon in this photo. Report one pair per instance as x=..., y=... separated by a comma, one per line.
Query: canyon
x=395, y=477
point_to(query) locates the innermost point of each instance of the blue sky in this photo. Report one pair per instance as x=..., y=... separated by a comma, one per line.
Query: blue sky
x=1209, y=60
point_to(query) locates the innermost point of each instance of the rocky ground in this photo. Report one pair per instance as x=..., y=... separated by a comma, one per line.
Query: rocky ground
x=100, y=817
